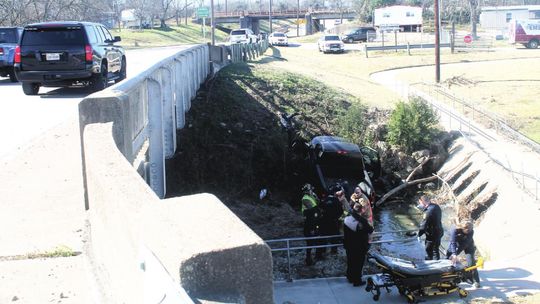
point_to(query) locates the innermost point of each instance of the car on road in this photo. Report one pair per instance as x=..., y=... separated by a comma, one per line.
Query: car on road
x=243, y=35
x=278, y=38
x=68, y=53
x=359, y=34
x=9, y=37
x=330, y=43
x=328, y=160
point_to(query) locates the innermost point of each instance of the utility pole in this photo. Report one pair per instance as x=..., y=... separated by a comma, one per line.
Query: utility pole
x=212, y=22
x=437, y=44
x=297, y=18
x=270, y=16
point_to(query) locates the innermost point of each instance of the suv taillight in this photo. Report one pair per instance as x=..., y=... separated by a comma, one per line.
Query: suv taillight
x=17, y=58
x=1, y=52
x=88, y=53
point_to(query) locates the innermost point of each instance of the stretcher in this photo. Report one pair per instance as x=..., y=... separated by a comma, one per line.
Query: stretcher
x=418, y=279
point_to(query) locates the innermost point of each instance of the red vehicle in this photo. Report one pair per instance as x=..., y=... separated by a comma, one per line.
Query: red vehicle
x=526, y=32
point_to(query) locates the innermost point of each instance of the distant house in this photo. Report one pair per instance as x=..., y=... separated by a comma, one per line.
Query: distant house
x=130, y=19
x=405, y=18
x=498, y=17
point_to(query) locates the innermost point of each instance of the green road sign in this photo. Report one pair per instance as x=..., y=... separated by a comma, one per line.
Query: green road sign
x=203, y=12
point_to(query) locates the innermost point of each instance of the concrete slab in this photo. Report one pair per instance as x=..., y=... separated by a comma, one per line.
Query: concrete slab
x=54, y=280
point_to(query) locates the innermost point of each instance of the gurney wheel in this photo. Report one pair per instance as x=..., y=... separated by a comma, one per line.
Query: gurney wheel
x=463, y=293
x=376, y=297
x=410, y=298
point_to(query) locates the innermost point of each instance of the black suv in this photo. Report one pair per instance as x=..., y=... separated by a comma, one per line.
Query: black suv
x=9, y=37
x=329, y=160
x=359, y=34
x=63, y=54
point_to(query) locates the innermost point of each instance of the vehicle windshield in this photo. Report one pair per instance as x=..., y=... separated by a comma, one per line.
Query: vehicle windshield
x=8, y=36
x=279, y=35
x=331, y=38
x=54, y=36
x=238, y=32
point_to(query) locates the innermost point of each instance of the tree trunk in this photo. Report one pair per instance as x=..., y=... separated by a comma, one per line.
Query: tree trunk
x=473, y=5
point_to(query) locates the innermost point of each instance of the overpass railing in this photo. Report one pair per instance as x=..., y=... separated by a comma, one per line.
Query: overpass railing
x=142, y=248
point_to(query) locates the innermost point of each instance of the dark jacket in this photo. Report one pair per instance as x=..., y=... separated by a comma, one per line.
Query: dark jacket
x=331, y=209
x=431, y=225
x=460, y=241
x=357, y=237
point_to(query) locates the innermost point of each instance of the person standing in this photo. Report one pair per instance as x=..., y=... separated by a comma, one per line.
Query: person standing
x=461, y=240
x=331, y=212
x=312, y=217
x=356, y=230
x=431, y=226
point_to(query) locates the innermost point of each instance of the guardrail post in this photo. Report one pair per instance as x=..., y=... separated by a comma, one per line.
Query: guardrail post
x=289, y=278
x=169, y=123
x=155, y=127
x=365, y=50
x=180, y=92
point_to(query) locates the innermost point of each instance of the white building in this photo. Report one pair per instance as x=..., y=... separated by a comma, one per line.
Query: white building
x=498, y=17
x=407, y=18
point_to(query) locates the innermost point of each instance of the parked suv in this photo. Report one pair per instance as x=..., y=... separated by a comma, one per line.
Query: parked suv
x=243, y=35
x=359, y=34
x=63, y=54
x=9, y=37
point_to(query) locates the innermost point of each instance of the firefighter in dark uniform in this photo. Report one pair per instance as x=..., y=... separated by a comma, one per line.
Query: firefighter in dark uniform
x=356, y=231
x=312, y=218
x=331, y=212
x=461, y=240
x=431, y=226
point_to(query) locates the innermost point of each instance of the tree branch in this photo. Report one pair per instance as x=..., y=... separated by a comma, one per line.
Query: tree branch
x=402, y=186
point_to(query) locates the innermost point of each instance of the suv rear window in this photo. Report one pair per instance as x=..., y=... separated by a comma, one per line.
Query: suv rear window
x=73, y=35
x=8, y=36
x=238, y=32
x=331, y=38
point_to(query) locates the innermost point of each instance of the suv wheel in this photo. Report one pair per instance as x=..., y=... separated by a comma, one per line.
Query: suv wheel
x=12, y=76
x=100, y=80
x=123, y=71
x=350, y=40
x=30, y=88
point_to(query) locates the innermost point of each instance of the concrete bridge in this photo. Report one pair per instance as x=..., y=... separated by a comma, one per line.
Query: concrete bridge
x=312, y=19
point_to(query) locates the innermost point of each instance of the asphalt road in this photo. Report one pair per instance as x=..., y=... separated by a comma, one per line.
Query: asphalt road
x=23, y=118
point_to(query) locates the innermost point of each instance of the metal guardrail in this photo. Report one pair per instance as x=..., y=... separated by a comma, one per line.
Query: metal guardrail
x=288, y=248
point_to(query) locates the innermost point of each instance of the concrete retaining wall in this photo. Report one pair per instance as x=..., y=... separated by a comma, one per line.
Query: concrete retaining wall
x=144, y=249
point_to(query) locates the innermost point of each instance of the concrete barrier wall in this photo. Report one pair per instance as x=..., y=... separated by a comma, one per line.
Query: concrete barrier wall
x=144, y=249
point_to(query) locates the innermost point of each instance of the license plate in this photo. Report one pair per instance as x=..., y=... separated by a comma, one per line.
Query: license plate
x=52, y=56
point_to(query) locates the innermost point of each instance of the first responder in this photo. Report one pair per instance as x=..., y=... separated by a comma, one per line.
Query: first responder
x=312, y=218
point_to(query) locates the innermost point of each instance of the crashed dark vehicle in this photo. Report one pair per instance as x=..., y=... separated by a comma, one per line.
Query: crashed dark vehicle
x=329, y=160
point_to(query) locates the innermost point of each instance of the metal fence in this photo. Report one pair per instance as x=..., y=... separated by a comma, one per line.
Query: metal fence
x=288, y=244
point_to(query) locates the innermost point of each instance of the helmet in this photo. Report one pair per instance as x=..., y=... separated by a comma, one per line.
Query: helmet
x=307, y=188
x=334, y=188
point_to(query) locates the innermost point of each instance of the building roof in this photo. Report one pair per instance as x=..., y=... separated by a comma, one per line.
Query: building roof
x=511, y=8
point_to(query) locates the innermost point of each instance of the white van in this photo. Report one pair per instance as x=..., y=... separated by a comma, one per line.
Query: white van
x=243, y=35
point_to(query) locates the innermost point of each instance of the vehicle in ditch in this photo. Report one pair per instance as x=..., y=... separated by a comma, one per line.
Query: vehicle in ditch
x=325, y=161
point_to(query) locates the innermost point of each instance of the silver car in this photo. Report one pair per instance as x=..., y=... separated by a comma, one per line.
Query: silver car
x=330, y=43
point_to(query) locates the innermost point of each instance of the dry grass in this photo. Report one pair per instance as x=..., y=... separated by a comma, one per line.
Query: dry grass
x=351, y=72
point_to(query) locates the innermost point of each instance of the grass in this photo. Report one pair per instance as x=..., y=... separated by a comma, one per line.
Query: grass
x=351, y=72
x=59, y=251
x=190, y=34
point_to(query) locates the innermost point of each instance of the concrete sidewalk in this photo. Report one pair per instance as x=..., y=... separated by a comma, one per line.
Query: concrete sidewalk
x=42, y=214
x=498, y=285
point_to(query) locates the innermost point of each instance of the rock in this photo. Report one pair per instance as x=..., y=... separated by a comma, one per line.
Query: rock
x=239, y=125
x=223, y=125
x=15, y=298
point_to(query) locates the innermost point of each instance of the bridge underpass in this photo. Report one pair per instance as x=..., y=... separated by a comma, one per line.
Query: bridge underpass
x=251, y=19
